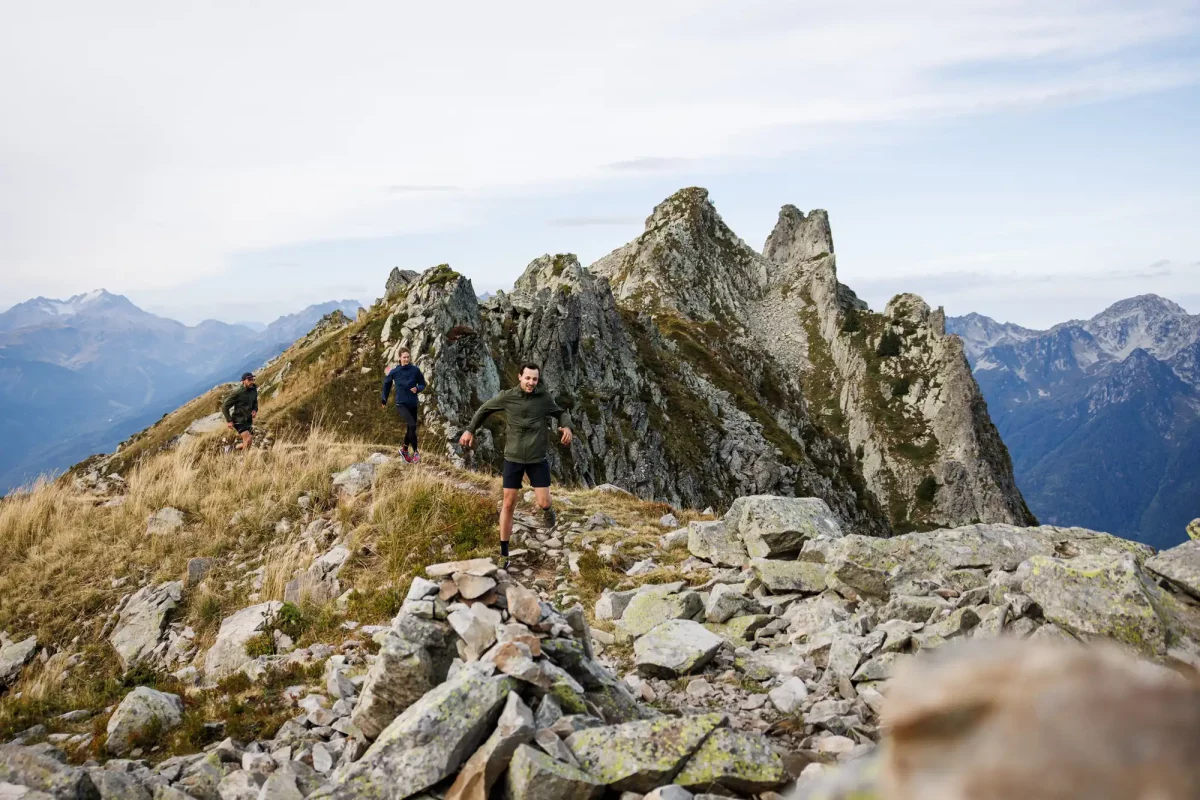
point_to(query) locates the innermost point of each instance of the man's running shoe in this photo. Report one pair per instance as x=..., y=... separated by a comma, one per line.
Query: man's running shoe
x=549, y=518
x=504, y=562
x=404, y=454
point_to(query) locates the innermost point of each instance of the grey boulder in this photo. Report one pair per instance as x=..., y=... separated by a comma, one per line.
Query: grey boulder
x=143, y=711
x=779, y=526
x=676, y=647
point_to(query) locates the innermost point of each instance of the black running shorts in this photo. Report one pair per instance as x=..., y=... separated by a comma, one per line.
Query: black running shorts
x=539, y=474
x=244, y=427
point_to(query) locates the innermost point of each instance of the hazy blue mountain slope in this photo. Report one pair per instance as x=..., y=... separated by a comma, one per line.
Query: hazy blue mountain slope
x=1102, y=416
x=80, y=375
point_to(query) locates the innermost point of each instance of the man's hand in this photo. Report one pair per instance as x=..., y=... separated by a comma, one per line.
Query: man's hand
x=254, y=415
x=467, y=439
x=229, y=425
x=567, y=436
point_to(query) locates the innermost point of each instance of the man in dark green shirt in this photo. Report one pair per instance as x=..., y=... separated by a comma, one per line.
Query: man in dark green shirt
x=527, y=406
x=240, y=409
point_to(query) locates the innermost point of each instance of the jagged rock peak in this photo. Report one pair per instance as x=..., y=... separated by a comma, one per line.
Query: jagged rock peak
x=687, y=259
x=398, y=280
x=690, y=204
x=550, y=272
x=797, y=237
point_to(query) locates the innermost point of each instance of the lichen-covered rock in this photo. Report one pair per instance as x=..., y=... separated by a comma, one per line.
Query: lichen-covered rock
x=771, y=527
x=805, y=577
x=22, y=766
x=142, y=622
x=676, y=647
x=740, y=762
x=639, y=756
x=228, y=653
x=1179, y=565
x=651, y=607
x=1095, y=596
x=533, y=775
x=13, y=657
x=715, y=542
x=142, y=712
x=429, y=741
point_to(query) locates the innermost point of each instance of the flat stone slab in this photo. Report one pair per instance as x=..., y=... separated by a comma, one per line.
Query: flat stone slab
x=740, y=762
x=805, y=577
x=650, y=608
x=480, y=567
x=641, y=756
x=676, y=647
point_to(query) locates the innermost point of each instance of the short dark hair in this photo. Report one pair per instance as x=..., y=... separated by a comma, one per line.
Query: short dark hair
x=528, y=365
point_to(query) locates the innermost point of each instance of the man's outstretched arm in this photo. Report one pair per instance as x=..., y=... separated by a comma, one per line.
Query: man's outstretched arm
x=485, y=411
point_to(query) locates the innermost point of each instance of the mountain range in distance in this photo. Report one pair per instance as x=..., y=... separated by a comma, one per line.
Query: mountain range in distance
x=79, y=375
x=1101, y=416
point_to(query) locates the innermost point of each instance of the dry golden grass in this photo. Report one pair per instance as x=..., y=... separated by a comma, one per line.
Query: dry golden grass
x=60, y=551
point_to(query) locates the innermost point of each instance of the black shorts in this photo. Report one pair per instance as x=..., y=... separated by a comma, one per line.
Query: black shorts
x=244, y=427
x=539, y=474
x=408, y=414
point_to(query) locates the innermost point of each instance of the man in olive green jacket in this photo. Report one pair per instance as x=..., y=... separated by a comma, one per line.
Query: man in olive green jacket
x=240, y=409
x=526, y=408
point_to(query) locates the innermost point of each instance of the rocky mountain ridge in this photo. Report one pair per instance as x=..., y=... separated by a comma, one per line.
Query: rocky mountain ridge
x=698, y=370
x=731, y=657
x=1102, y=416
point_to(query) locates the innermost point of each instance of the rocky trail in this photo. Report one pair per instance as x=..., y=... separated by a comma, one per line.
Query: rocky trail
x=744, y=656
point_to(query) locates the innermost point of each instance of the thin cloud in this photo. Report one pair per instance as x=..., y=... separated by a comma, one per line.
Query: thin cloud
x=416, y=188
x=583, y=222
x=649, y=164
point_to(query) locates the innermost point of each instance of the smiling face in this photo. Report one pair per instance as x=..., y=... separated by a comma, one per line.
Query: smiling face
x=405, y=358
x=529, y=380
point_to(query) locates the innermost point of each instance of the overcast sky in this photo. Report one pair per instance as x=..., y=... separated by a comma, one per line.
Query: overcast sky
x=1032, y=161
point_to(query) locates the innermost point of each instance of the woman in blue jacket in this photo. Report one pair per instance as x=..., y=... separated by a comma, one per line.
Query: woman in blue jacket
x=409, y=382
